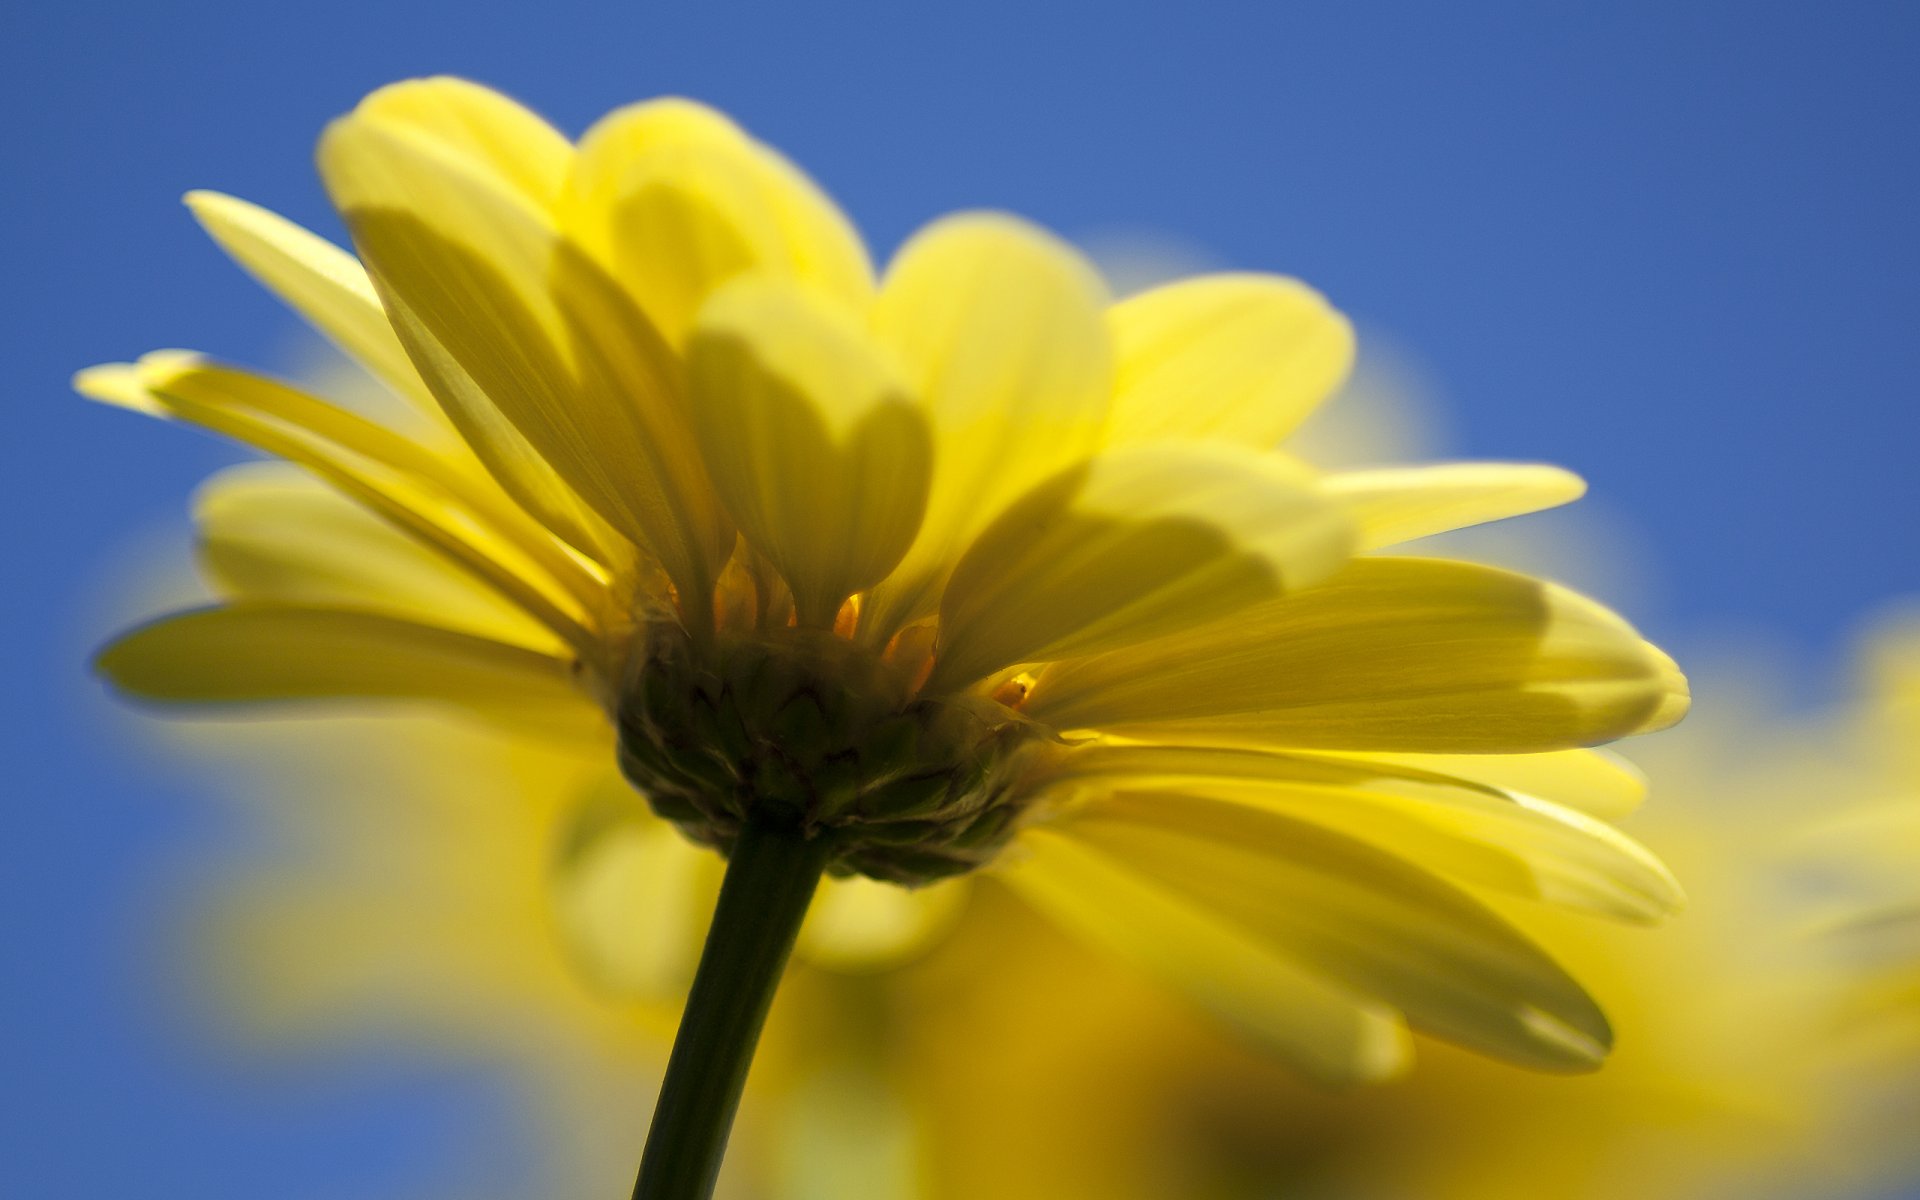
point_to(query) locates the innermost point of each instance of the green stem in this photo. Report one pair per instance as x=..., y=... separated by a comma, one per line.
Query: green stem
x=770, y=881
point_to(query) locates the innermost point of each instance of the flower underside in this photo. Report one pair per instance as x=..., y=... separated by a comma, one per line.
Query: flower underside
x=809, y=731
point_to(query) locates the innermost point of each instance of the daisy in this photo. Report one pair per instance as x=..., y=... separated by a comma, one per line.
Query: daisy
x=959, y=568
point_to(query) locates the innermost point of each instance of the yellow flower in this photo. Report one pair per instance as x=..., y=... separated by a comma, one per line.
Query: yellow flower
x=961, y=568
x=995, y=1056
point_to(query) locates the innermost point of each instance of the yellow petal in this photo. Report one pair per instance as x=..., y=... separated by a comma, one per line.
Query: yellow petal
x=271, y=533
x=675, y=200
x=330, y=288
x=811, y=437
x=999, y=327
x=1371, y=923
x=125, y=385
x=505, y=318
x=1238, y=357
x=632, y=897
x=1397, y=504
x=1596, y=782
x=490, y=131
x=1473, y=833
x=510, y=458
x=859, y=924
x=1394, y=654
x=400, y=481
x=318, y=280
x=1332, y=1034
x=251, y=654
x=1129, y=546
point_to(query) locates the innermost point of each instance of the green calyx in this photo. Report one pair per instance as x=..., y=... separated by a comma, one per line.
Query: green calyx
x=803, y=730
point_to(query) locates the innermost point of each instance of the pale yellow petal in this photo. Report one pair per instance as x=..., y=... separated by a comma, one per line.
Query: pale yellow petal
x=510, y=458
x=1370, y=922
x=273, y=533
x=811, y=437
x=330, y=288
x=675, y=200
x=999, y=327
x=401, y=482
x=1129, y=546
x=1394, y=654
x=631, y=898
x=1238, y=357
x=259, y=654
x=1334, y=1035
x=318, y=280
x=500, y=313
x=1472, y=833
x=490, y=131
x=1398, y=504
x=124, y=385
x=859, y=924
x=1597, y=782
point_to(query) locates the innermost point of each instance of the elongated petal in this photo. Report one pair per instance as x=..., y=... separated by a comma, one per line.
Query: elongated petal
x=1335, y=1035
x=1394, y=654
x=1129, y=546
x=1237, y=357
x=1398, y=504
x=675, y=199
x=272, y=533
x=1371, y=923
x=126, y=385
x=400, y=481
x=495, y=137
x=1596, y=782
x=251, y=654
x=811, y=437
x=1472, y=833
x=999, y=327
x=510, y=457
x=330, y=288
x=318, y=280
x=501, y=315
x=492, y=132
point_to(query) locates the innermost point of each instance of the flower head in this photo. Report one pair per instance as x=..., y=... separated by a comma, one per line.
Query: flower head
x=962, y=568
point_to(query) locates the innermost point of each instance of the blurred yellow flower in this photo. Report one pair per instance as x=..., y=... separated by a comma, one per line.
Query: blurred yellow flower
x=416, y=901
x=900, y=579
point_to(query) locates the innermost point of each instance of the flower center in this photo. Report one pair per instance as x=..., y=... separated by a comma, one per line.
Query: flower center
x=808, y=731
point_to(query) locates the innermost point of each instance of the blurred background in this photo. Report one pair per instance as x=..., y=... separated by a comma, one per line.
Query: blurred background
x=1671, y=247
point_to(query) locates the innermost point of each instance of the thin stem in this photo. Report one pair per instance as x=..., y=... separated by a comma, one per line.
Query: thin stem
x=770, y=882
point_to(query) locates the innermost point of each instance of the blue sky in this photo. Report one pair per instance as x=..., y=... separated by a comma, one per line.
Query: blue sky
x=1670, y=246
